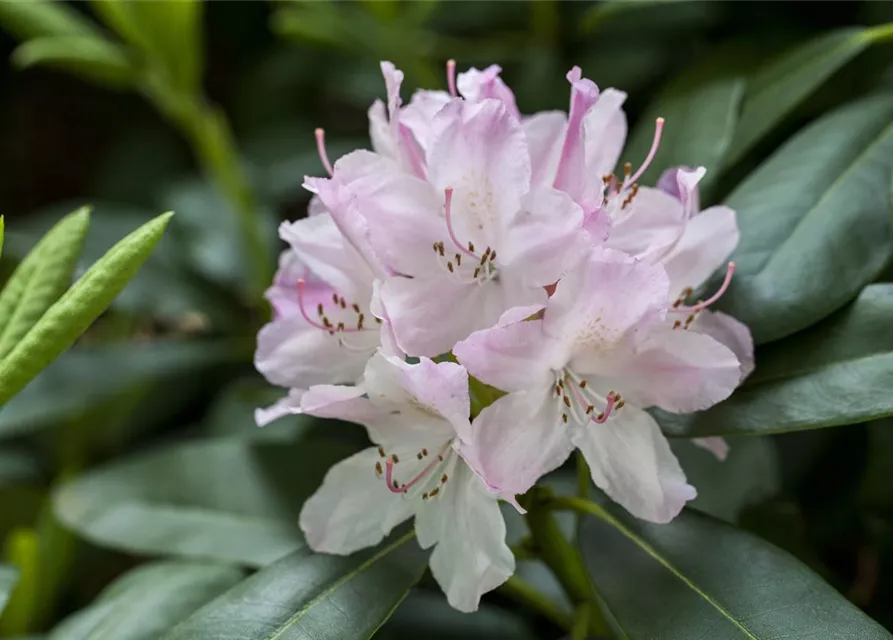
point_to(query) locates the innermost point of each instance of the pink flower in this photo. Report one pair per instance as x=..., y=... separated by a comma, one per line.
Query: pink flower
x=582, y=375
x=418, y=417
x=470, y=241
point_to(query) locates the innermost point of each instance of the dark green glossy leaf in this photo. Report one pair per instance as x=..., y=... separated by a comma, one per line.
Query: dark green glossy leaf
x=226, y=499
x=93, y=59
x=307, y=596
x=815, y=221
x=784, y=82
x=707, y=579
x=70, y=316
x=148, y=601
x=28, y=20
x=835, y=373
x=8, y=578
x=40, y=278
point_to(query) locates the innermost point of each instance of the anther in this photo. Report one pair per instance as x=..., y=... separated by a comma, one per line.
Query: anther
x=582, y=384
x=335, y=298
x=340, y=326
x=321, y=149
x=343, y=303
x=395, y=458
x=564, y=418
x=485, y=256
x=319, y=309
x=378, y=469
x=381, y=452
x=360, y=322
x=355, y=307
x=471, y=247
x=451, y=77
x=313, y=323
x=444, y=478
x=567, y=401
x=450, y=266
x=658, y=130
x=677, y=324
x=434, y=492
x=492, y=256
x=627, y=169
x=424, y=452
x=590, y=409
x=477, y=271
x=418, y=456
x=458, y=260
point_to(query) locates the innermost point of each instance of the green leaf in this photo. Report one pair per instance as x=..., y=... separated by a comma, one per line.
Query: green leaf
x=835, y=373
x=99, y=61
x=307, y=596
x=17, y=466
x=784, y=82
x=170, y=502
x=815, y=221
x=60, y=326
x=8, y=578
x=749, y=474
x=707, y=579
x=43, y=18
x=88, y=379
x=701, y=111
x=232, y=413
x=40, y=279
x=146, y=602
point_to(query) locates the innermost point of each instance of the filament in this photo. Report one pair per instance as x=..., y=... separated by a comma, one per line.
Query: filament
x=730, y=271
x=321, y=149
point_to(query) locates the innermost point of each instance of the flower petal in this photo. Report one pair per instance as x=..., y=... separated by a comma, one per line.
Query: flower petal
x=479, y=150
x=649, y=226
x=729, y=332
x=544, y=238
x=573, y=176
x=380, y=132
x=715, y=445
x=287, y=405
x=682, y=184
x=430, y=315
x=604, y=127
x=545, y=139
x=471, y=556
x=419, y=114
x=475, y=85
x=708, y=241
x=631, y=461
x=352, y=509
x=518, y=439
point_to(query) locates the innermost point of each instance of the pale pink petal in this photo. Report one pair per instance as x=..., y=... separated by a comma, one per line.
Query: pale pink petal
x=315, y=206
x=291, y=353
x=393, y=78
x=545, y=138
x=682, y=184
x=730, y=332
x=353, y=509
x=708, y=241
x=283, y=293
x=573, y=176
x=430, y=315
x=471, y=556
x=604, y=127
x=605, y=299
x=649, y=227
x=476, y=85
x=339, y=402
x=631, y=461
x=518, y=439
x=717, y=446
x=419, y=114
x=598, y=225
x=544, y=238
x=287, y=405
x=389, y=346
x=676, y=370
x=511, y=356
x=479, y=150
x=380, y=132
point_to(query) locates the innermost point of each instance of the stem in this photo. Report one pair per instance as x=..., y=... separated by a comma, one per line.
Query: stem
x=582, y=618
x=523, y=592
x=563, y=559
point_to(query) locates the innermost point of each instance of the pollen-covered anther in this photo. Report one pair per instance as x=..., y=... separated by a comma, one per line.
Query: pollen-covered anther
x=381, y=452
x=378, y=469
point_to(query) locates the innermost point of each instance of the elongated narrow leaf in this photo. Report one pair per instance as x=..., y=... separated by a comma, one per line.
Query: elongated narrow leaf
x=8, y=578
x=39, y=19
x=60, y=326
x=100, y=61
x=780, y=85
x=40, y=278
x=707, y=579
x=308, y=596
x=148, y=601
x=838, y=372
x=700, y=114
x=227, y=499
x=815, y=221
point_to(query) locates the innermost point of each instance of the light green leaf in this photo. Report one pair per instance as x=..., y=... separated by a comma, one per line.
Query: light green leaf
x=170, y=502
x=835, y=373
x=89, y=378
x=8, y=578
x=96, y=60
x=146, y=602
x=307, y=596
x=707, y=579
x=60, y=326
x=784, y=82
x=45, y=18
x=40, y=279
x=815, y=221
x=701, y=110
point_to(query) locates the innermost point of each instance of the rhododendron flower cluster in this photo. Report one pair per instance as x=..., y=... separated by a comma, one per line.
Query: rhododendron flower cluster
x=504, y=247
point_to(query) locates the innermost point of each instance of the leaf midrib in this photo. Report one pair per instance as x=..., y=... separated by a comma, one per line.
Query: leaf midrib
x=799, y=373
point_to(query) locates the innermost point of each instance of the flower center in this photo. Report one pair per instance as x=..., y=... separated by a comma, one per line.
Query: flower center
x=465, y=266
x=427, y=482
x=579, y=402
x=619, y=195
x=339, y=318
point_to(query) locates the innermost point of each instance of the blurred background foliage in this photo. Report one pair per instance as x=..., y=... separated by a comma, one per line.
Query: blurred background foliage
x=150, y=415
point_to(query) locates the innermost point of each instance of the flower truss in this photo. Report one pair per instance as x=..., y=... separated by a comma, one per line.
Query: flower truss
x=506, y=247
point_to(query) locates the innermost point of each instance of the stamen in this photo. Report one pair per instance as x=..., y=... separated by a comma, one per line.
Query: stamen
x=451, y=77
x=321, y=149
x=658, y=130
x=604, y=415
x=392, y=484
x=730, y=271
x=448, y=195
x=310, y=321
